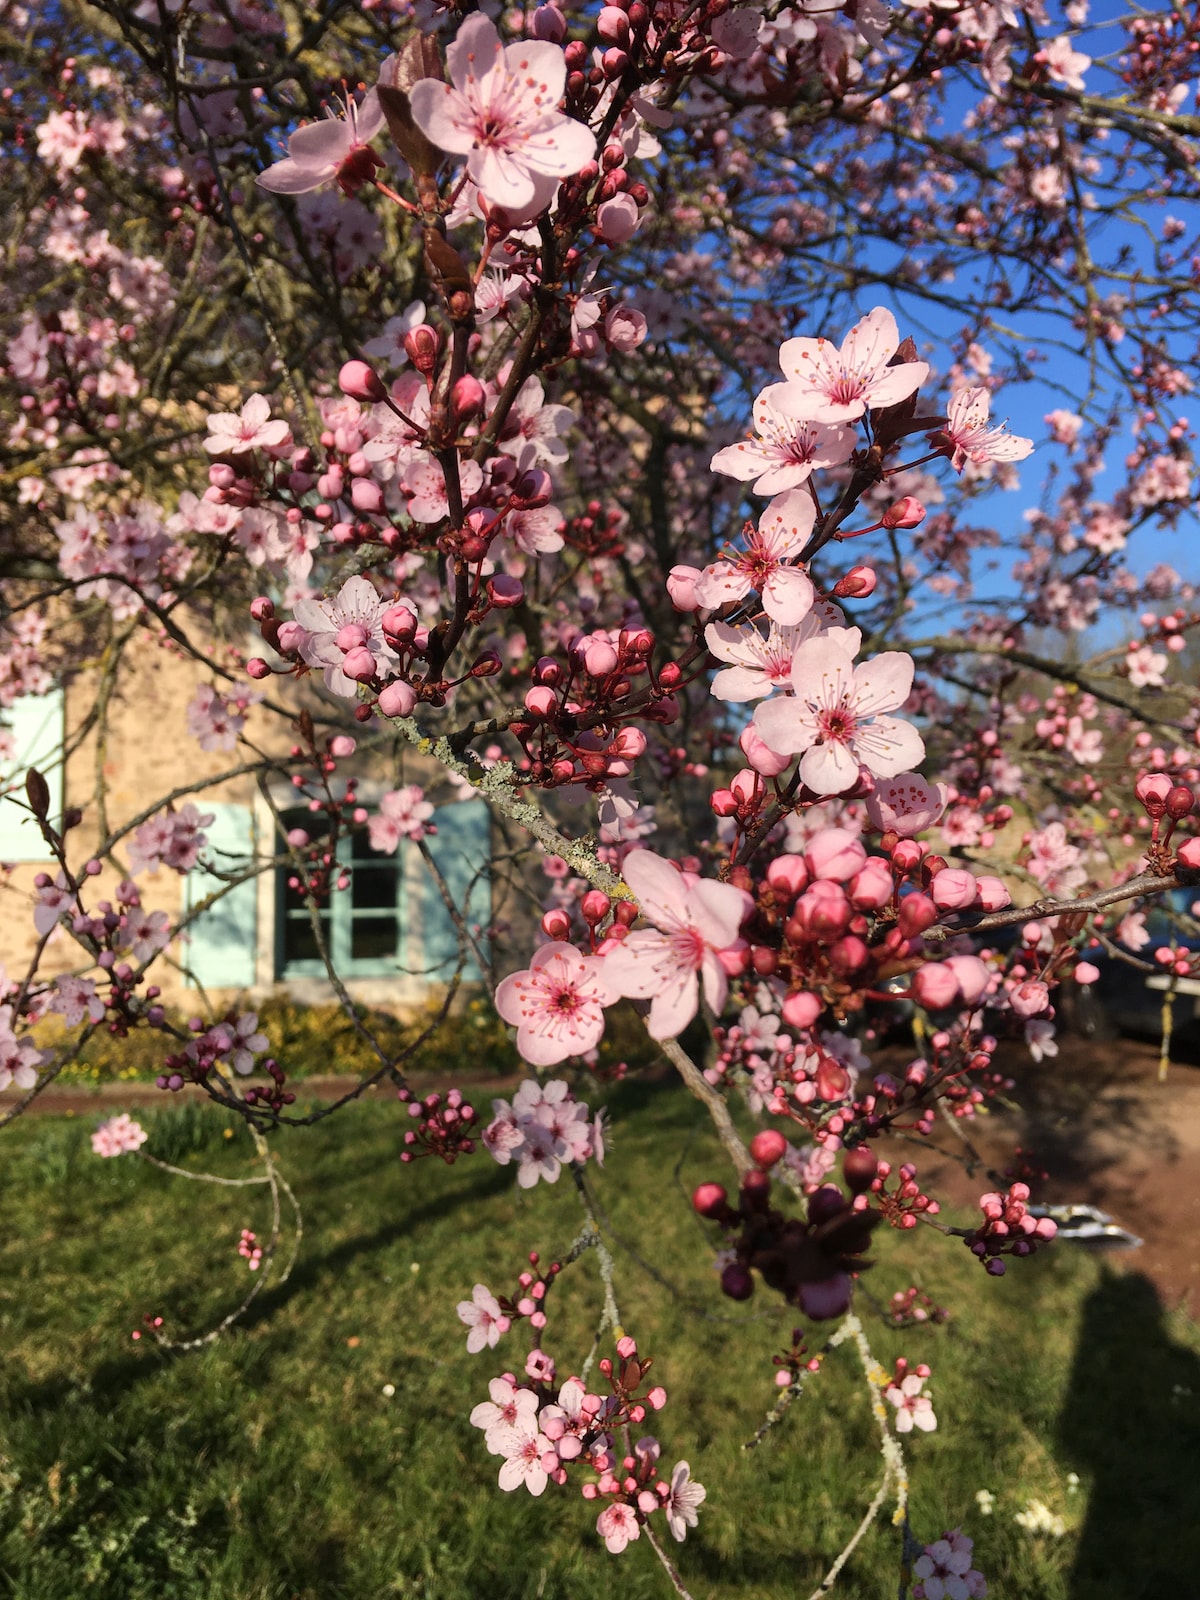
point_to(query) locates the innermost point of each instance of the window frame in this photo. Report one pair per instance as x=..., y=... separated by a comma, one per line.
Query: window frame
x=341, y=913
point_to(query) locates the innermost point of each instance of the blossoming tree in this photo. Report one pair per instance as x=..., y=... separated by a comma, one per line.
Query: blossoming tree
x=522, y=376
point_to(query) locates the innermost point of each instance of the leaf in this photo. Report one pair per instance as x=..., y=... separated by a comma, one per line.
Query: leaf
x=446, y=264
x=423, y=156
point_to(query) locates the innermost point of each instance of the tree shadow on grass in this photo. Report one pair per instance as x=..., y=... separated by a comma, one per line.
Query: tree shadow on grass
x=114, y=1379
x=1131, y=1423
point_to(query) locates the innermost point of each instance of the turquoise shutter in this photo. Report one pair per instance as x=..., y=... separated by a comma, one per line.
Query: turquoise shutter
x=36, y=724
x=223, y=940
x=462, y=849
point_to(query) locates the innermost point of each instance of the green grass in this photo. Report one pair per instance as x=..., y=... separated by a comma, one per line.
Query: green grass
x=271, y=1466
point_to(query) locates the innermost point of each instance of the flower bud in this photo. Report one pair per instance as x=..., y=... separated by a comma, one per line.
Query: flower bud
x=359, y=664
x=467, y=398
x=556, y=924
x=617, y=219
x=681, y=586
x=954, y=889
x=548, y=23
x=917, y=912
x=858, y=583
x=993, y=895
x=934, y=986
x=257, y=668
x=1180, y=802
x=1188, y=854
x=801, y=1010
x=540, y=701
x=594, y=907
x=737, y=1282
x=906, y=513
x=397, y=699
x=366, y=495
x=835, y=853
x=859, y=1167
x=504, y=591
x=361, y=382
x=767, y=1147
x=1152, y=790
x=262, y=609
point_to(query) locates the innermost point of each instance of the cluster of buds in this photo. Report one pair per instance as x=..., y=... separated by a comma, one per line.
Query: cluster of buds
x=903, y=1205
x=794, y=1361
x=151, y=1324
x=250, y=1249
x=488, y=1315
x=912, y=1306
x=233, y=1041
x=809, y=1261
x=443, y=1126
x=272, y=1095
x=1166, y=803
x=1008, y=1228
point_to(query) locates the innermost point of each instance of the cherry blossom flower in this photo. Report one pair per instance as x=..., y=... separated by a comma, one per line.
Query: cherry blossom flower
x=426, y=482
x=967, y=437
x=216, y=720
x=403, y=814
x=505, y=1415
x=76, y=998
x=837, y=716
x=544, y=1126
x=787, y=592
x=333, y=149
x=524, y=1449
x=684, y=1501
x=483, y=1317
x=1064, y=65
x=760, y=665
x=534, y=428
x=944, y=1571
x=233, y=433
x=328, y=625
x=556, y=1004
x=837, y=385
x=145, y=933
x=500, y=110
x=19, y=1060
x=913, y=1409
x=173, y=839
x=694, y=918
x=389, y=345
x=788, y=446
x=53, y=900
x=618, y=1526
x=1146, y=667
x=907, y=804
x=118, y=1135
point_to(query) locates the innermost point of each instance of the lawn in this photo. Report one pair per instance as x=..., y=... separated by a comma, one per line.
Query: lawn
x=321, y=1451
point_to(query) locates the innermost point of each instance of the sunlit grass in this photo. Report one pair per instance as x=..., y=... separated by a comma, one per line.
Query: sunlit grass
x=273, y=1464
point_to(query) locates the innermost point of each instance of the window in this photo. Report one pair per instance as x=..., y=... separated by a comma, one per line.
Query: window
x=392, y=919
x=34, y=724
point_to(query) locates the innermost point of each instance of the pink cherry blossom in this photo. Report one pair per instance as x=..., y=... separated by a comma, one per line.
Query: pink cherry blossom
x=357, y=603
x=233, y=433
x=334, y=149
x=618, y=1526
x=173, y=839
x=758, y=664
x=504, y=1417
x=19, y=1060
x=906, y=804
x=389, y=345
x=76, y=998
x=788, y=443
x=118, y=1135
x=787, y=591
x=483, y=1317
x=835, y=385
x=694, y=918
x=837, y=716
x=684, y=1501
x=403, y=814
x=53, y=900
x=556, y=1004
x=524, y=1450
x=500, y=110
x=945, y=1572
x=913, y=1409
x=145, y=933
x=967, y=438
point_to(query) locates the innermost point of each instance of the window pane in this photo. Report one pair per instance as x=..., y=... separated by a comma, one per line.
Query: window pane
x=373, y=885
x=373, y=939
x=299, y=940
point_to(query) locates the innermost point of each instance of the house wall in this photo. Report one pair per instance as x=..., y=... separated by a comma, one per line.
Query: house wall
x=146, y=752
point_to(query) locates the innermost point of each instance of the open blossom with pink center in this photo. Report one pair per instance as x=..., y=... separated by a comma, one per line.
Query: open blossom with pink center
x=506, y=1416
x=1146, y=667
x=944, y=1571
x=172, y=839
x=618, y=1526
x=543, y=1127
x=335, y=149
x=19, y=1060
x=967, y=437
x=500, y=110
x=787, y=591
x=694, y=918
x=118, y=1135
x=838, y=716
x=524, y=1449
x=787, y=446
x=1064, y=65
x=145, y=933
x=760, y=664
x=907, y=804
x=534, y=429
x=556, y=1004
x=351, y=619
x=232, y=433
x=403, y=814
x=76, y=998
x=913, y=1409
x=216, y=719
x=484, y=1318
x=53, y=900
x=684, y=1501
x=837, y=385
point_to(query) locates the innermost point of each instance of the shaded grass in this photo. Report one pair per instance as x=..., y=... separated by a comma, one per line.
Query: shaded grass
x=273, y=1467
